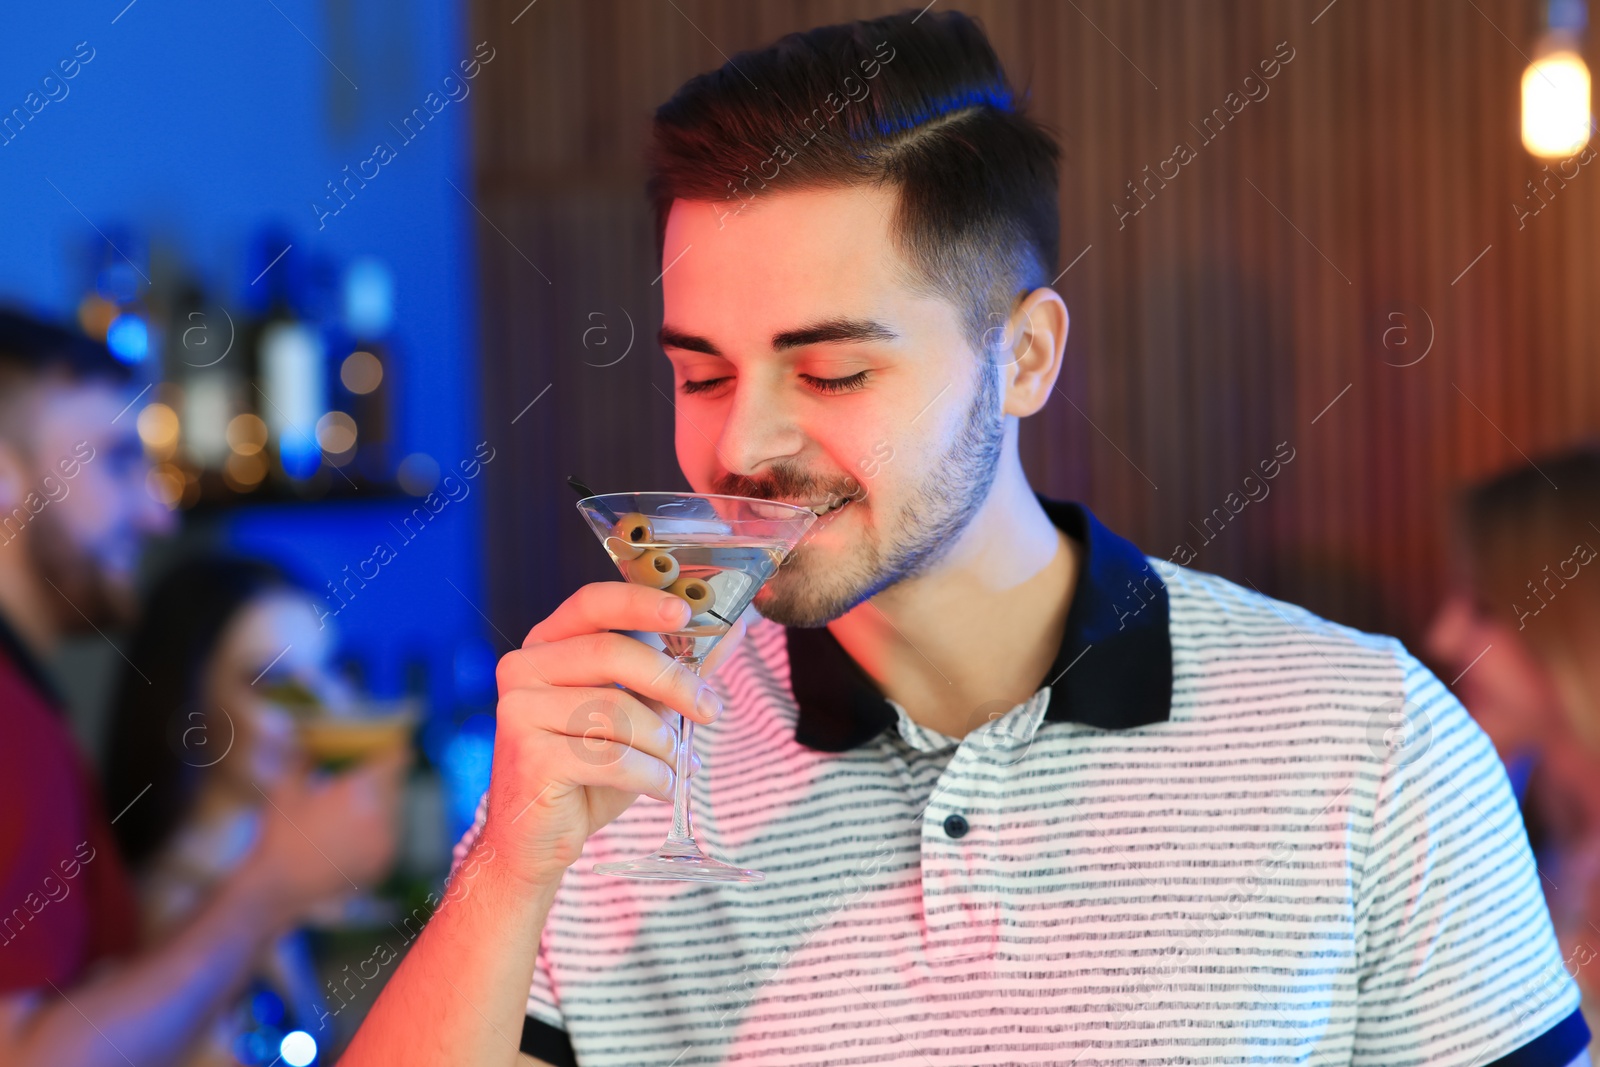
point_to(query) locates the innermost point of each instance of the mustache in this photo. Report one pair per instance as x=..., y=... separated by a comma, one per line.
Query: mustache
x=787, y=483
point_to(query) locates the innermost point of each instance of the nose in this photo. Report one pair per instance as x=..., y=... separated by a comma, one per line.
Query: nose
x=760, y=428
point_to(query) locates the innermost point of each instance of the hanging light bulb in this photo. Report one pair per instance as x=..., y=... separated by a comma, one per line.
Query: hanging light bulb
x=1555, y=87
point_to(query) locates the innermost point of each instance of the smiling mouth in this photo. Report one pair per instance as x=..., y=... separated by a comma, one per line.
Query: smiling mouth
x=828, y=507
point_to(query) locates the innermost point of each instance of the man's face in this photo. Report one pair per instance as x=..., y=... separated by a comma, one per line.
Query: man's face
x=87, y=462
x=808, y=370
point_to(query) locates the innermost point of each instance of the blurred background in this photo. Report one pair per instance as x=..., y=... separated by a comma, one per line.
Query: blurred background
x=1322, y=247
x=351, y=248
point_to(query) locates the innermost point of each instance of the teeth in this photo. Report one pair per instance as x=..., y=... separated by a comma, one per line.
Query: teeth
x=826, y=508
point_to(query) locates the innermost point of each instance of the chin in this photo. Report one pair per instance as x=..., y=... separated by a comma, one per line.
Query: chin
x=811, y=592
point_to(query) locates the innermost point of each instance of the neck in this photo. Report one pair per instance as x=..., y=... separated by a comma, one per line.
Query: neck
x=25, y=601
x=975, y=635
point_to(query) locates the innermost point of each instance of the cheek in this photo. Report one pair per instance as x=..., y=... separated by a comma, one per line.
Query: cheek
x=1518, y=672
x=696, y=458
x=1508, y=674
x=268, y=736
x=92, y=507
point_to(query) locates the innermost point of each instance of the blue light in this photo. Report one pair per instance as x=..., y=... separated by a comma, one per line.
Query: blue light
x=297, y=1048
x=299, y=455
x=266, y=1007
x=128, y=338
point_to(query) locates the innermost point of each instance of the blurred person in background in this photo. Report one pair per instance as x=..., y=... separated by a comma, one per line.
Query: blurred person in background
x=1521, y=630
x=76, y=986
x=234, y=653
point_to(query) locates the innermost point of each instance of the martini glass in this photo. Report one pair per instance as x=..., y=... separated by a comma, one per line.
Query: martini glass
x=715, y=552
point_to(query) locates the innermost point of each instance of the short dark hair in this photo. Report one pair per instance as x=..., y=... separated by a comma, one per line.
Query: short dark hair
x=31, y=347
x=915, y=101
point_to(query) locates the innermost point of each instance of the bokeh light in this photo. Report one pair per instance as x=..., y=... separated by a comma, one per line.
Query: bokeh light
x=128, y=338
x=165, y=483
x=242, y=472
x=158, y=429
x=418, y=474
x=361, y=372
x=297, y=1048
x=247, y=434
x=336, y=432
x=1555, y=105
x=95, y=315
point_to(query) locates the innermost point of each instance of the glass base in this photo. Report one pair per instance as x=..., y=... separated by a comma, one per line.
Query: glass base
x=679, y=862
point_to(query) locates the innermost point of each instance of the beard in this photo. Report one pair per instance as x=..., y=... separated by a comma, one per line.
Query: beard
x=93, y=598
x=809, y=592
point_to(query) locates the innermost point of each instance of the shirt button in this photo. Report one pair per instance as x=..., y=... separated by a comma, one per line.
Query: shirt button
x=956, y=826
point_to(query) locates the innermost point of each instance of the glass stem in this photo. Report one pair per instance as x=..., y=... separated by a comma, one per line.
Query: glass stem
x=682, y=827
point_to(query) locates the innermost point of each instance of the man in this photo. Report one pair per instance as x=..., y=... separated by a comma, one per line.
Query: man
x=1021, y=794
x=75, y=987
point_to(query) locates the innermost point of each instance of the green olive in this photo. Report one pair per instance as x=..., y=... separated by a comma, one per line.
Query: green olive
x=621, y=549
x=633, y=528
x=697, y=591
x=654, y=568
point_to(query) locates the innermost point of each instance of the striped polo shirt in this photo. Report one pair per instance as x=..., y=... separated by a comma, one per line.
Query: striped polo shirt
x=1224, y=831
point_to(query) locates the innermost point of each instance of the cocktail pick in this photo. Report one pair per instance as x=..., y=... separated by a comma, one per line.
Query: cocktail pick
x=584, y=491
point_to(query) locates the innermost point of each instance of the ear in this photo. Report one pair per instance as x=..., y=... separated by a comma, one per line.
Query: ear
x=1031, y=363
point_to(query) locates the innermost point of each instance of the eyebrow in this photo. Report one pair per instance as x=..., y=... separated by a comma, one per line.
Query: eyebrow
x=830, y=331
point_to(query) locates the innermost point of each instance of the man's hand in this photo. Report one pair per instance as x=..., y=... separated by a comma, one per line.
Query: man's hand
x=572, y=750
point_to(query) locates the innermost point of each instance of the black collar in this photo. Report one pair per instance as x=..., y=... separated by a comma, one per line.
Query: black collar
x=21, y=657
x=1113, y=670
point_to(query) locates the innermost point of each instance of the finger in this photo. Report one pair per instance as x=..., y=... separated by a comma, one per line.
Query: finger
x=632, y=773
x=612, y=606
x=591, y=720
x=616, y=659
x=620, y=767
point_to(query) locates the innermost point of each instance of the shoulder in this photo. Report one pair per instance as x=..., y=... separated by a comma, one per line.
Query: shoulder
x=1235, y=648
x=1211, y=611
x=1214, y=621
x=39, y=759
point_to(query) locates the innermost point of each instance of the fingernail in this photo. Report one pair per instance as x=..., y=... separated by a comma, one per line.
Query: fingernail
x=675, y=611
x=672, y=784
x=708, y=704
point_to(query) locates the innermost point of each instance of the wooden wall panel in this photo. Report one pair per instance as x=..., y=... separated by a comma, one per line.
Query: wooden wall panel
x=1247, y=297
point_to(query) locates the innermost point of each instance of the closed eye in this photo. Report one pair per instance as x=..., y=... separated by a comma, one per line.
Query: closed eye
x=836, y=385
x=703, y=386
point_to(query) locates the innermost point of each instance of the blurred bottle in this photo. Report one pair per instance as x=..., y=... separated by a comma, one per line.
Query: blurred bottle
x=287, y=361
x=364, y=365
x=204, y=360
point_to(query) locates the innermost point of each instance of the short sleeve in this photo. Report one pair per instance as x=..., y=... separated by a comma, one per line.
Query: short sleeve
x=1458, y=959
x=546, y=1036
